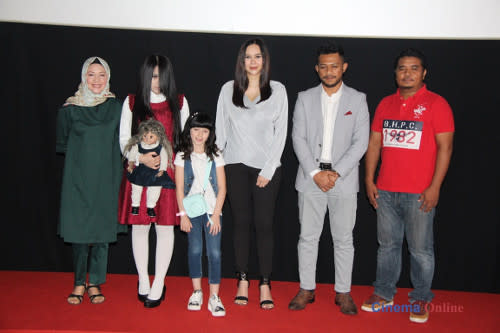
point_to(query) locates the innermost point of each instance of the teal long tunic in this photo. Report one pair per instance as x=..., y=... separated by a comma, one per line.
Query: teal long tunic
x=92, y=172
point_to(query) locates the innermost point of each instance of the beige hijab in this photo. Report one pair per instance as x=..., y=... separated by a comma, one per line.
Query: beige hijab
x=85, y=97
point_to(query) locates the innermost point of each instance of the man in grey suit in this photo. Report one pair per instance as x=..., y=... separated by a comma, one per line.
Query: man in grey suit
x=330, y=135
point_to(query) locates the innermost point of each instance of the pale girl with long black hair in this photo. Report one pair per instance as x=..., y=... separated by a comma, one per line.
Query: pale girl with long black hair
x=157, y=98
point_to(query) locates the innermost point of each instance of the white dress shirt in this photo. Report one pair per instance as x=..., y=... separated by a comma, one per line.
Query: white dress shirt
x=329, y=109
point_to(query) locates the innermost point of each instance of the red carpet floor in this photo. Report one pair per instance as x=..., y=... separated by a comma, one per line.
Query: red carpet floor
x=36, y=302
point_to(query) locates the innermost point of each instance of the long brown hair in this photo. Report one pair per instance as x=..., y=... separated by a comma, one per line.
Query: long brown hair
x=240, y=74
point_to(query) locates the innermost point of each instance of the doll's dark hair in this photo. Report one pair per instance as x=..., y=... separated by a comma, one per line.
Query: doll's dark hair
x=142, y=110
x=199, y=119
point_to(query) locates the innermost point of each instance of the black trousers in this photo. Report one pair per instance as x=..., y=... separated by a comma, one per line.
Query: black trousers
x=252, y=204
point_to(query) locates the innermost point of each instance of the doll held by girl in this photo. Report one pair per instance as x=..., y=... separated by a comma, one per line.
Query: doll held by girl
x=149, y=138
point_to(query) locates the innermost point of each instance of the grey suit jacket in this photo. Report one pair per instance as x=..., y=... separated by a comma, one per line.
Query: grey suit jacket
x=350, y=138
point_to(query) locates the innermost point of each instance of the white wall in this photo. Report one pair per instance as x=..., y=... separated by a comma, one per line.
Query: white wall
x=462, y=19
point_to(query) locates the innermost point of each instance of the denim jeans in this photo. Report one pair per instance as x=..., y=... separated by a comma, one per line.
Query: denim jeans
x=398, y=214
x=195, y=250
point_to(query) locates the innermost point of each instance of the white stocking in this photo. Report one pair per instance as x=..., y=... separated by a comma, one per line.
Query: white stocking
x=164, y=249
x=140, y=248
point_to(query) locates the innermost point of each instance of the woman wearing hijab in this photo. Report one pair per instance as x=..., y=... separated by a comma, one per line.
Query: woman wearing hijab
x=156, y=97
x=87, y=133
x=252, y=115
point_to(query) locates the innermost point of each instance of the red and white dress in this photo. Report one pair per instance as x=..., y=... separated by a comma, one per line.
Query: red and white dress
x=166, y=206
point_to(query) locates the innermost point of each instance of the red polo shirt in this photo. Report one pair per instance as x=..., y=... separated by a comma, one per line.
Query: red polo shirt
x=408, y=129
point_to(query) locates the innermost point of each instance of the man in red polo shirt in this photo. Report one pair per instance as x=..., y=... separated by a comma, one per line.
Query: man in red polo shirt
x=412, y=134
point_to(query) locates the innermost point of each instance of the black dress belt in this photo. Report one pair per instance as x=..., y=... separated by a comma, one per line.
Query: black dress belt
x=325, y=166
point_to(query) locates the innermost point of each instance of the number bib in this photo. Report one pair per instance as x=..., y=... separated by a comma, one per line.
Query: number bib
x=404, y=134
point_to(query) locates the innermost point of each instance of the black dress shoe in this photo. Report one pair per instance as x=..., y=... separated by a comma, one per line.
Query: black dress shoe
x=151, y=212
x=135, y=211
x=152, y=304
x=149, y=303
x=142, y=298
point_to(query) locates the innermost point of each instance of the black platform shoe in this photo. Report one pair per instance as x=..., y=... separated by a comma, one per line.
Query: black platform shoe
x=142, y=298
x=135, y=211
x=149, y=303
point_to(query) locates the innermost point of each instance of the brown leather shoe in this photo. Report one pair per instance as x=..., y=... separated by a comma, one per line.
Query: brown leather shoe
x=419, y=312
x=302, y=298
x=375, y=303
x=347, y=306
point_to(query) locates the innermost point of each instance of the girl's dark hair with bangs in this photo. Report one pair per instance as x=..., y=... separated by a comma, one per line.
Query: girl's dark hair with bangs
x=240, y=75
x=198, y=119
x=142, y=109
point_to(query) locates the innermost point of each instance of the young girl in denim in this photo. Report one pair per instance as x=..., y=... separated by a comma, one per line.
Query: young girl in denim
x=197, y=149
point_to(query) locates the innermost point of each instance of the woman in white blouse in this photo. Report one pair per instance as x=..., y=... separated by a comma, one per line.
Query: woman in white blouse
x=157, y=98
x=251, y=124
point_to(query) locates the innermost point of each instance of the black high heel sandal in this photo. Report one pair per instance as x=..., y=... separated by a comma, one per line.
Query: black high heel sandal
x=149, y=303
x=241, y=300
x=99, y=294
x=266, y=281
x=142, y=298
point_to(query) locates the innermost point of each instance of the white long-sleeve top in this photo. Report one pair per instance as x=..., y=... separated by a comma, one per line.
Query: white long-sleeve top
x=329, y=108
x=126, y=118
x=254, y=136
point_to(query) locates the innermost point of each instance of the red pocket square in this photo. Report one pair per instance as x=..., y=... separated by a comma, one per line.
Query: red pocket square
x=348, y=113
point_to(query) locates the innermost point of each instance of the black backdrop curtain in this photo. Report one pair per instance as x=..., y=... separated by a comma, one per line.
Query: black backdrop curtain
x=41, y=67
